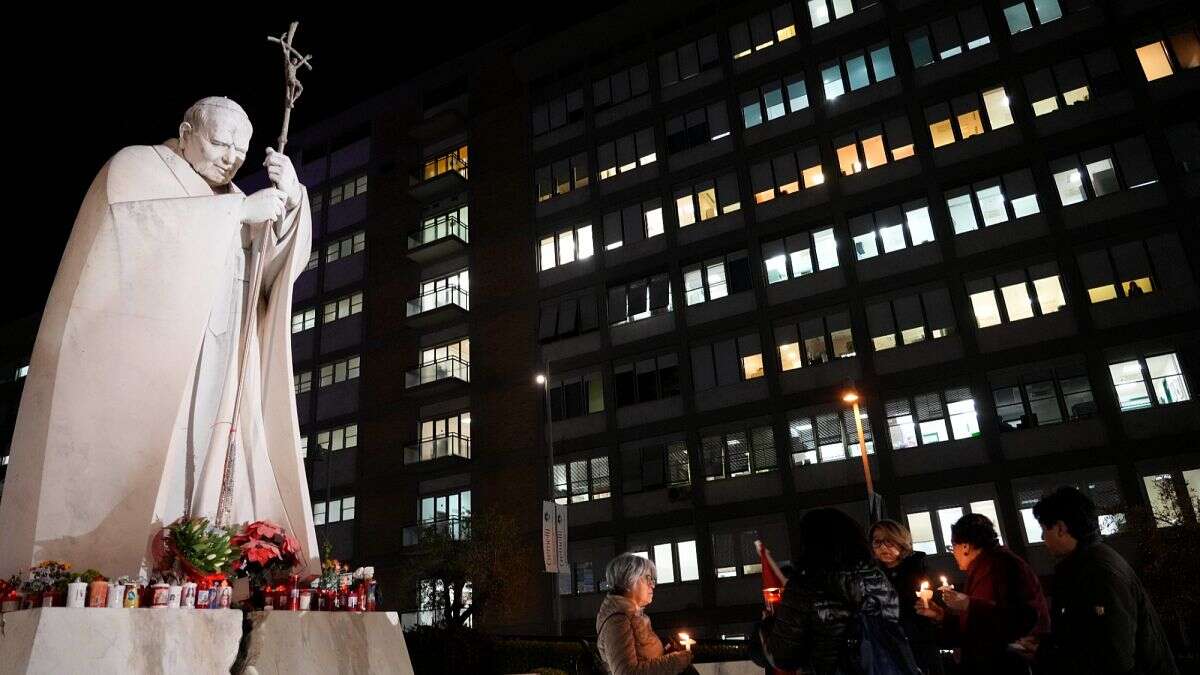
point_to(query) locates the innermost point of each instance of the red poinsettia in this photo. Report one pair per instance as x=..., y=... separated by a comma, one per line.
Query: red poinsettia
x=290, y=546
x=261, y=552
x=266, y=550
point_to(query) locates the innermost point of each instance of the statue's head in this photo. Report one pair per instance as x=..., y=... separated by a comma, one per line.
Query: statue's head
x=214, y=137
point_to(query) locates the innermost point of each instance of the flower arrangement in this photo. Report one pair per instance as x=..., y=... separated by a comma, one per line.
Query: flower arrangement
x=201, y=550
x=48, y=576
x=266, y=551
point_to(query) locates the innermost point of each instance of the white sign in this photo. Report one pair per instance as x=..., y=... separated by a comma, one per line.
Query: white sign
x=560, y=537
x=549, y=541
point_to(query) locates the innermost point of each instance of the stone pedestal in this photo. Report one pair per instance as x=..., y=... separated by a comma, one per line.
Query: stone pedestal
x=285, y=643
x=181, y=642
x=59, y=640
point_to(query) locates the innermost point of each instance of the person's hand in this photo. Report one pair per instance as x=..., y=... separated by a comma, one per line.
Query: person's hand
x=933, y=612
x=687, y=657
x=283, y=175
x=955, y=602
x=1025, y=647
x=263, y=206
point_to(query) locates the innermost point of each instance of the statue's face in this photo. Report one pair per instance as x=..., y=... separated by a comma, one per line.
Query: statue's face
x=216, y=151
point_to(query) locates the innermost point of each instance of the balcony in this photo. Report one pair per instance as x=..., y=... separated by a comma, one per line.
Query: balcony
x=437, y=240
x=441, y=373
x=456, y=528
x=451, y=445
x=430, y=187
x=437, y=306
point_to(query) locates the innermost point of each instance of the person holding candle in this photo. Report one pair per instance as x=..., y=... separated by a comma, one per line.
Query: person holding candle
x=1002, y=602
x=891, y=544
x=837, y=607
x=1103, y=620
x=624, y=638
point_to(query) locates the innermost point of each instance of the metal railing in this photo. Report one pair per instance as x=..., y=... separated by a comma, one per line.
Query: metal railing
x=456, y=528
x=441, y=228
x=440, y=369
x=444, y=165
x=451, y=445
x=441, y=297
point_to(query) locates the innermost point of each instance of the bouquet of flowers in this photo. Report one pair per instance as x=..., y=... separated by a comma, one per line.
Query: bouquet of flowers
x=266, y=551
x=49, y=575
x=201, y=550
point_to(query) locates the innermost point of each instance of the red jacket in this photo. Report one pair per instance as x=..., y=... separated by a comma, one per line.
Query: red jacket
x=1006, y=604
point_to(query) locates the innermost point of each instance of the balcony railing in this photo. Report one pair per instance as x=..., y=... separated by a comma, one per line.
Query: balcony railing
x=442, y=297
x=440, y=229
x=441, y=369
x=444, y=165
x=453, y=445
x=456, y=528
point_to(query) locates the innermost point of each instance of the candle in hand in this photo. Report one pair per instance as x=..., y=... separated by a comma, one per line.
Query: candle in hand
x=946, y=584
x=925, y=594
x=687, y=641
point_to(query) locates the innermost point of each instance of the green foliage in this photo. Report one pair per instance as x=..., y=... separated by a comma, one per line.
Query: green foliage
x=204, y=547
x=88, y=576
x=484, y=553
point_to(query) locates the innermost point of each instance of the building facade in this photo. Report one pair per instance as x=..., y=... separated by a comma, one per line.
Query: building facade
x=703, y=225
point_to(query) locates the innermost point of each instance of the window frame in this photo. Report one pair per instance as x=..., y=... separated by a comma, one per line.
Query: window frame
x=1147, y=380
x=721, y=186
x=682, y=139
x=1031, y=290
x=909, y=401
x=876, y=232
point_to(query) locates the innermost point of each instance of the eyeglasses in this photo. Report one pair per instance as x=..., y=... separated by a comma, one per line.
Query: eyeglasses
x=884, y=543
x=649, y=579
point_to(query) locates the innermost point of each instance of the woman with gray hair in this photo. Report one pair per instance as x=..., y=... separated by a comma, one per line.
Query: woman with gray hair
x=627, y=644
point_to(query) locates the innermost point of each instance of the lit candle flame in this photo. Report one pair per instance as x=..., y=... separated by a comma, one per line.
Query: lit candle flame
x=944, y=582
x=687, y=641
x=925, y=584
x=925, y=594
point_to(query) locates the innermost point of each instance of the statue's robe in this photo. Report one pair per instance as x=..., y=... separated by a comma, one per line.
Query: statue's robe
x=126, y=411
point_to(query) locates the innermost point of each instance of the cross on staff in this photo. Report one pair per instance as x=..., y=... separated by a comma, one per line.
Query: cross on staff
x=293, y=61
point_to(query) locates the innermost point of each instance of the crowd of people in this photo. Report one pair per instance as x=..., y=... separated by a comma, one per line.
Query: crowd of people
x=851, y=605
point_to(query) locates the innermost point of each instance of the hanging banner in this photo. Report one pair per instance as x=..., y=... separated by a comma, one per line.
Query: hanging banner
x=549, y=540
x=560, y=537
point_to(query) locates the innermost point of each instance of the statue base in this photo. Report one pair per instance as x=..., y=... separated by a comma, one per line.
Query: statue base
x=180, y=641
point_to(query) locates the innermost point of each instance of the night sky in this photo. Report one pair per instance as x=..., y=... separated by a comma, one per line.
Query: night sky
x=87, y=85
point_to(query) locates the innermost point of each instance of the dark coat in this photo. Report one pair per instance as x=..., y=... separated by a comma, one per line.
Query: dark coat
x=1006, y=604
x=810, y=626
x=906, y=578
x=1103, y=622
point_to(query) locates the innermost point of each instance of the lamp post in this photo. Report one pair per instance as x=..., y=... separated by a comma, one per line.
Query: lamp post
x=543, y=380
x=874, y=512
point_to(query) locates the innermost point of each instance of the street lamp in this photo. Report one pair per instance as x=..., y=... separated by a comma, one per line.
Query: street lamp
x=543, y=380
x=851, y=396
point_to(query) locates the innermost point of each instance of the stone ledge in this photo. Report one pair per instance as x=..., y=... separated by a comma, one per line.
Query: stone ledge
x=284, y=643
x=60, y=640
x=173, y=641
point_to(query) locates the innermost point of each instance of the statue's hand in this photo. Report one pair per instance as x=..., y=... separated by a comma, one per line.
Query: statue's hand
x=283, y=175
x=265, y=205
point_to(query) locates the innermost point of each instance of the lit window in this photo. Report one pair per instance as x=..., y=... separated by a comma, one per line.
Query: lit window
x=1155, y=62
x=827, y=436
x=1135, y=380
x=304, y=320
x=1094, y=173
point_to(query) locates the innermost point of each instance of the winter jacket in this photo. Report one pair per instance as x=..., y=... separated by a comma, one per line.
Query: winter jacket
x=627, y=643
x=1006, y=603
x=812, y=622
x=906, y=578
x=1103, y=622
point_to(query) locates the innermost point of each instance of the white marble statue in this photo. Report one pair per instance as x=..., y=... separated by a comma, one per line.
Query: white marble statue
x=126, y=412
